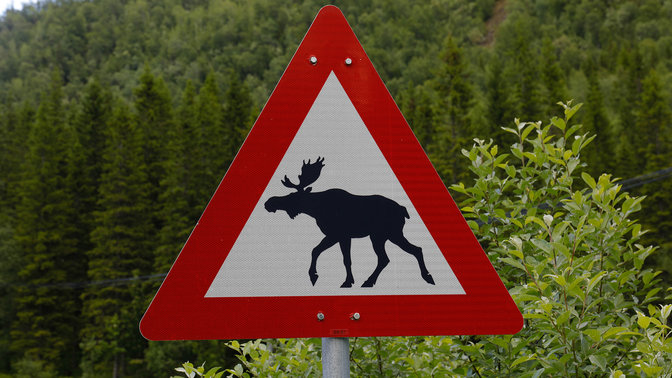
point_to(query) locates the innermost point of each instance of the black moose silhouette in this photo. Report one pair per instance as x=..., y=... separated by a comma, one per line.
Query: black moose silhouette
x=342, y=216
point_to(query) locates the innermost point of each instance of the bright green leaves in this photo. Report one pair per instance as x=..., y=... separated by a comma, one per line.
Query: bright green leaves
x=569, y=255
x=276, y=358
x=588, y=180
x=569, y=110
x=191, y=372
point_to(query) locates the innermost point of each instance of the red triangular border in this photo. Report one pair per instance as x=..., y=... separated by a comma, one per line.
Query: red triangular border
x=180, y=310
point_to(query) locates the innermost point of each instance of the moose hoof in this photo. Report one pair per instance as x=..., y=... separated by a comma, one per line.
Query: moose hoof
x=313, y=278
x=428, y=277
x=347, y=283
x=369, y=283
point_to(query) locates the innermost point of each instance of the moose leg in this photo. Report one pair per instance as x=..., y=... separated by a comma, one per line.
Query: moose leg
x=416, y=251
x=324, y=244
x=383, y=260
x=347, y=261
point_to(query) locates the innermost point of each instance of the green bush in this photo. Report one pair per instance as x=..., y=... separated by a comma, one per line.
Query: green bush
x=565, y=243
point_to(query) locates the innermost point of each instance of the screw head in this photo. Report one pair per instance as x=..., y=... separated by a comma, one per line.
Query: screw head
x=313, y=60
x=348, y=61
x=355, y=316
x=320, y=316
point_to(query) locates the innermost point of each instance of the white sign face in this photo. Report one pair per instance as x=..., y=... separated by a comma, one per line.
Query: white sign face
x=272, y=254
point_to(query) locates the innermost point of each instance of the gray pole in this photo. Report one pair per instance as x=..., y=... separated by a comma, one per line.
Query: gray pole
x=335, y=357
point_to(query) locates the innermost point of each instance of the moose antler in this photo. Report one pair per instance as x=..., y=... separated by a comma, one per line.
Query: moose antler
x=309, y=174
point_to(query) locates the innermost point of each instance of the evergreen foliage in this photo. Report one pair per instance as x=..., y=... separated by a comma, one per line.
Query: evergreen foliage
x=499, y=109
x=47, y=317
x=211, y=134
x=177, y=185
x=237, y=115
x=14, y=128
x=417, y=105
x=451, y=120
x=599, y=157
x=654, y=142
x=552, y=78
x=121, y=249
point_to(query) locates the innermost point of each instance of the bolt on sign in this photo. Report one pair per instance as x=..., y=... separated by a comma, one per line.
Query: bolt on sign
x=331, y=221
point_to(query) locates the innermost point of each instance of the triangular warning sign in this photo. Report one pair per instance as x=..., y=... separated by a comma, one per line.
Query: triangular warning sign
x=331, y=208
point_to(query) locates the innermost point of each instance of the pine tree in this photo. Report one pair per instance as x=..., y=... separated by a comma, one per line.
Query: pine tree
x=89, y=126
x=522, y=69
x=628, y=162
x=48, y=313
x=600, y=154
x=652, y=144
x=14, y=126
x=153, y=113
x=176, y=195
x=237, y=115
x=121, y=249
x=211, y=154
x=154, y=120
x=191, y=151
x=417, y=106
x=498, y=112
x=452, y=124
x=553, y=80
x=654, y=126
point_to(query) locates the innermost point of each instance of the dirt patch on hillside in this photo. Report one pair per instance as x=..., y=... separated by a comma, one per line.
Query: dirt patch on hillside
x=498, y=16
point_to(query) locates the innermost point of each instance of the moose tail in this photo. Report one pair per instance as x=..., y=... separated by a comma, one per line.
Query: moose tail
x=404, y=212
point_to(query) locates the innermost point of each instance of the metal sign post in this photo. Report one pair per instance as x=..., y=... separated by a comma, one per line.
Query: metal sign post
x=335, y=357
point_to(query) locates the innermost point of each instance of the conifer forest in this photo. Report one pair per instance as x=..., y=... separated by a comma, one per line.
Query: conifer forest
x=119, y=118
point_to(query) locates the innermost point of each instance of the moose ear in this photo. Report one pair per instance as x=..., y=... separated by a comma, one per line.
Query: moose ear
x=308, y=189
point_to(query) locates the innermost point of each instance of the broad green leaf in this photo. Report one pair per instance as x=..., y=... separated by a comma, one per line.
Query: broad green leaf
x=527, y=131
x=594, y=281
x=559, y=123
x=600, y=361
x=614, y=331
x=665, y=311
x=526, y=297
x=535, y=220
x=651, y=371
x=643, y=320
x=238, y=369
x=522, y=359
x=588, y=180
x=651, y=293
x=594, y=334
x=517, y=253
x=542, y=244
x=563, y=318
x=644, y=346
x=513, y=262
x=569, y=112
x=567, y=155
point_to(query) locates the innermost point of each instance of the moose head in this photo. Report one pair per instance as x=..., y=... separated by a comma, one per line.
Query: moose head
x=293, y=203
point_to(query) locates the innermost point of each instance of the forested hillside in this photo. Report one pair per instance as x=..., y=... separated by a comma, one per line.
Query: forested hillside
x=118, y=118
